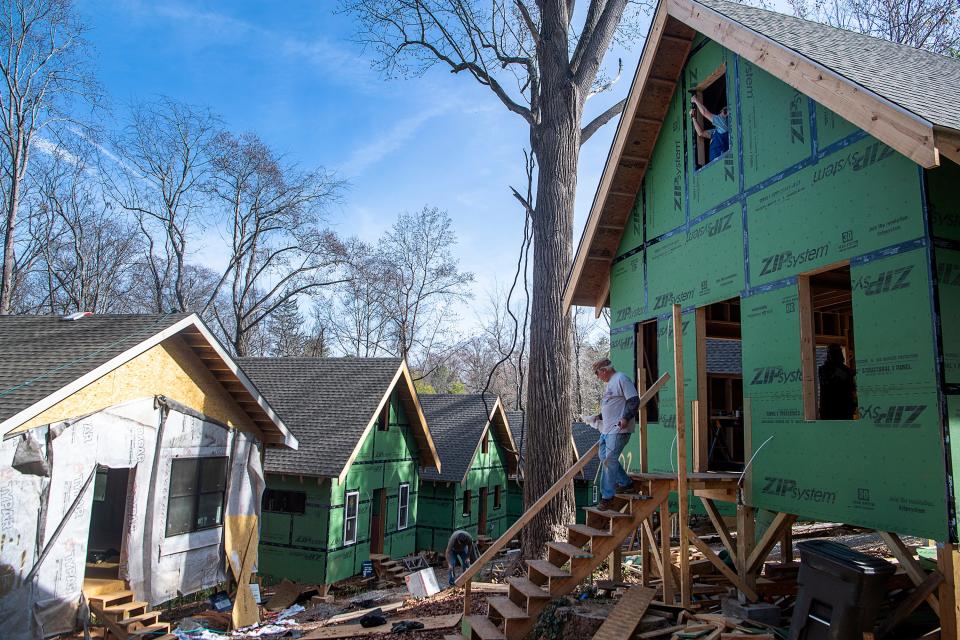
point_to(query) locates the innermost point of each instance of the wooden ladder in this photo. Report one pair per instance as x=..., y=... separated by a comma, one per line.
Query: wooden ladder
x=123, y=617
x=568, y=563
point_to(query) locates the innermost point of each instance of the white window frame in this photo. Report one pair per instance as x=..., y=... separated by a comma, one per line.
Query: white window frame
x=596, y=492
x=403, y=507
x=347, y=517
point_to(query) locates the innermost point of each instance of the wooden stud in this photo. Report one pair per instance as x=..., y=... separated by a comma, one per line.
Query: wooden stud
x=720, y=527
x=910, y=565
x=722, y=567
x=701, y=439
x=786, y=546
x=746, y=536
x=767, y=542
x=808, y=355
x=948, y=561
x=657, y=560
x=746, y=483
x=615, y=562
x=666, y=561
x=646, y=557
x=682, y=495
x=641, y=387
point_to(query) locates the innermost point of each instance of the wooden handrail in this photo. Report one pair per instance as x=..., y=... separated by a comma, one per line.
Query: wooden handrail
x=543, y=500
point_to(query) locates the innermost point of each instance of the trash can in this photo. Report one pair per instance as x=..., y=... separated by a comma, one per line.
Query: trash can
x=838, y=592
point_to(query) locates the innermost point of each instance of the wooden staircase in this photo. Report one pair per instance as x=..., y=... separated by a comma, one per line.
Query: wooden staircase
x=389, y=570
x=567, y=564
x=122, y=616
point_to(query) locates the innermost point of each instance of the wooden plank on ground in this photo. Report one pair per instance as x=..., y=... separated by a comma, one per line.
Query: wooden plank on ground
x=356, y=630
x=491, y=587
x=353, y=615
x=626, y=614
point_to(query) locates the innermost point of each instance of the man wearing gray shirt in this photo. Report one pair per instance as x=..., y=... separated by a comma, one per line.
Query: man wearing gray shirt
x=618, y=411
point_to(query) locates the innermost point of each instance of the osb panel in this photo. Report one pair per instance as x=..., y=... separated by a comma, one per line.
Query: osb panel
x=674, y=27
x=641, y=139
x=605, y=242
x=169, y=369
x=628, y=177
x=616, y=210
x=655, y=100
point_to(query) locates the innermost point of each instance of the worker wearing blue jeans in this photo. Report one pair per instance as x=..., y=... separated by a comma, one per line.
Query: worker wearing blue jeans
x=460, y=549
x=618, y=410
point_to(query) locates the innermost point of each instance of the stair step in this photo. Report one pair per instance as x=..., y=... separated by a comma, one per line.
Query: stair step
x=633, y=496
x=104, y=600
x=152, y=632
x=547, y=569
x=590, y=532
x=527, y=588
x=482, y=627
x=125, y=609
x=607, y=513
x=507, y=608
x=569, y=550
x=145, y=619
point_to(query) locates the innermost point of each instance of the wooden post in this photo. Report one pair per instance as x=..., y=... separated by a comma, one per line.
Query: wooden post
x=682, y=496
x=948, y=561
x=746, y=539
x=466, y=599
x=616, y=565
x=665, y=559
x=642, y=421
x=786, y=546
x=646, y=558
x=808, y=361
x=701, y=425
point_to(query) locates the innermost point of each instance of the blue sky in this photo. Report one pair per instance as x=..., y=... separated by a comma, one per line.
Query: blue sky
x=295, y=77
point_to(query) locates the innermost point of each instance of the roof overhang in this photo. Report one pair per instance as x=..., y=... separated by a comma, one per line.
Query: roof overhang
x=672, y=31
x=217, y=361
x=426, y=450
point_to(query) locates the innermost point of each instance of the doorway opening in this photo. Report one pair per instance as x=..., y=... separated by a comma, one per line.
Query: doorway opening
x=107, y=532
x=720, y=428
x=482, y=514
x=378, y=520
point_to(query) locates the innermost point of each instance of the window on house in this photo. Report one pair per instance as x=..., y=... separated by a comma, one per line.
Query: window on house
x=485, y=443
x=646, y=340
x=403, y=511
x=100, y=485
x=196, y=494
x=278, y=501
x=466, y=502
x=350, y=510
x=828, y=361
x=496, y=497
x=710, y=117
x=383, y=420
x=719, y=430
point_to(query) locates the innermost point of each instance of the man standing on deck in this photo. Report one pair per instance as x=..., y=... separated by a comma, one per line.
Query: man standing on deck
x=618, y=411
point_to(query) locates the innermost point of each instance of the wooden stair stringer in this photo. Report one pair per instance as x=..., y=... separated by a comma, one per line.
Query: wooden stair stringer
x=580, y=567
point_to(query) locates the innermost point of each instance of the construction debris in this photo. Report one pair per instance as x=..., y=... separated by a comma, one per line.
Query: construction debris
x=356, y=630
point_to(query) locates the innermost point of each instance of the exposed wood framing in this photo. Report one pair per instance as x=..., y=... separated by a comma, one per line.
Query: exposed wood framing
x=949, y=564
x=770, y=538
x=721, y=566
x=720, y=527
x=910, y=565
x=682, y=495
x=701, y=438
x=808, y=362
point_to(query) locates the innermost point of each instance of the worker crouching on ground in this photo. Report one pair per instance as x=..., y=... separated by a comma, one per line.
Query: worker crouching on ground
x=460, y=549
x=618, y=410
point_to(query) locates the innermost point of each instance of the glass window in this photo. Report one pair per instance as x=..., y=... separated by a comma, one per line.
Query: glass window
x=285, y=501
x=403, y=512
x=196, y=494
x=466, y=502
x=350, y=517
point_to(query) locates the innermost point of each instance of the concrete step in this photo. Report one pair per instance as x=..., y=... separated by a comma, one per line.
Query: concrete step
x=482, y=628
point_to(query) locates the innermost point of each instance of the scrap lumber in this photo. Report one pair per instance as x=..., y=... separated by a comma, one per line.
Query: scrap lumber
x=356, y=630
x=626, y=614
x=359, y=613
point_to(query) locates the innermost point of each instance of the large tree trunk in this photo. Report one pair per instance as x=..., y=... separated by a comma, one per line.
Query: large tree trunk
x=13, y=204
x=556, y=142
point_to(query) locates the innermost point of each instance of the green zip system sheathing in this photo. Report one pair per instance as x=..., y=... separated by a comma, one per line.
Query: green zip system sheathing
x=800, y=189
x=309, y=547
x=442, y=503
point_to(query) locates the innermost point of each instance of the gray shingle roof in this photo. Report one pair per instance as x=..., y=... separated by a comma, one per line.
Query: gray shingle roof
x=921, y=82
x=325, y=402
x=724, y=356
x=584, y=437
x=456, y=422
x=41, y=354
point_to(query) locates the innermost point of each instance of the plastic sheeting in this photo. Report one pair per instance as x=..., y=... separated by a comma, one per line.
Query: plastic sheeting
x=144, y=436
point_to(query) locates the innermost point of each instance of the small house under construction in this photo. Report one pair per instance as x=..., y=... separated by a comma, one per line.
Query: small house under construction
x=349, y=493
x=477, y=451
x=130, y=470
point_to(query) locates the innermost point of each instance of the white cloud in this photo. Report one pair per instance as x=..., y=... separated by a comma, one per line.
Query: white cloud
x=392, y=140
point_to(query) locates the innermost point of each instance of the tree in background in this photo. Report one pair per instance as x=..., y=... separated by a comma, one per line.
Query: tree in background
x=285, y=329
x=280, y=248
x=933, y=25
x=543, y=68
x=164, y=154
x=43, y=64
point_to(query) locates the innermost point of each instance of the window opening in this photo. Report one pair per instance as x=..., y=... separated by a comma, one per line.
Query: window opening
x=279, y=501
x=710, y=117
x=720, y=378
x=466, y=502
x=351, y=507
x=646, y=340
x=196, y=494
x=485, y=443
x=496, y=497
x=383, y=420
x=828, y=360
x=403, y=511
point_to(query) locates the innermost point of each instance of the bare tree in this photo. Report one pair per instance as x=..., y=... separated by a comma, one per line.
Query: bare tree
x=543, y=68
x=925, y=24
x=422, y=280
x=164, y=155
x=279, y=247
x=285, y=331
x=43, y=67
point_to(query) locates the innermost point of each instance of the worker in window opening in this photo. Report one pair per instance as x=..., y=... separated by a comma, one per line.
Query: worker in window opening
x=837, y=387
x=460, y=549
x=719, y=136
x=618, y=411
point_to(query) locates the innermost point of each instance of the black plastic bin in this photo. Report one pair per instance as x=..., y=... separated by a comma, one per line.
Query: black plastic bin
x=839, y=592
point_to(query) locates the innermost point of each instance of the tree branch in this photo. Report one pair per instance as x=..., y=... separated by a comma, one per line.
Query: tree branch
x=601, y=120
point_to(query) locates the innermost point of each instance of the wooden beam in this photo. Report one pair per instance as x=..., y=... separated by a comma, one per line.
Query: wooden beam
x=652, y=543
x=602, y=298
x=682, y=495
x=746, y=535
x=918, y=595
x=902, y=130
x=701, y=430
x=770, y=538
x=666, y=562
x=808, y=362
x=721, y=528
x=910, y=565
x=949, y=563
x=721, y=566
x=948, y=143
